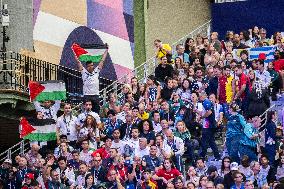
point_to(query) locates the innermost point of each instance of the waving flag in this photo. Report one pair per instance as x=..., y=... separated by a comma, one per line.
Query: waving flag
x=267, y=50
x=25, y=128
x=253, y=53
x=42, y=129
x=88, y=53
x=48, y=90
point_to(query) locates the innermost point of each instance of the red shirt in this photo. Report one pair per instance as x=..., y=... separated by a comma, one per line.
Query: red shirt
x=278, y=65
x=103, y=153
x=168, y=175
x=222, y=89
x=243, y=79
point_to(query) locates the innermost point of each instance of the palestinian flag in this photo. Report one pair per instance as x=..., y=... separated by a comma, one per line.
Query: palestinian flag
x=48, y=90
x=43, y=129
x=87, y=53
x=25, y=128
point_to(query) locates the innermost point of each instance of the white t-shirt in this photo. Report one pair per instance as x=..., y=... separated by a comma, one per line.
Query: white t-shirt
x=86, y=157
x=67, y=125
x=119, y=146
x=81, y=118
x=91, y=81
x=48, y=113
x=92, y=141
x=140, y=153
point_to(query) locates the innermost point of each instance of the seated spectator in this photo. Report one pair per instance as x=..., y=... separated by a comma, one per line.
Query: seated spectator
x=163, y=70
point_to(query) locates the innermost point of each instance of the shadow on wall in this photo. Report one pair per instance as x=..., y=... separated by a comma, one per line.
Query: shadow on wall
x=85, y=35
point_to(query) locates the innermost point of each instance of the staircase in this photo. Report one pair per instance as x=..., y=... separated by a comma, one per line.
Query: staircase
x=148, y=67
x=17, y=70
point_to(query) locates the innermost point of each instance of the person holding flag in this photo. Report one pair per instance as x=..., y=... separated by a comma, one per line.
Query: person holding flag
x=90, y=74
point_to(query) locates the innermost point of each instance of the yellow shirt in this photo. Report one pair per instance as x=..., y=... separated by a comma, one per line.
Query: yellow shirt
x=163, y=52
x=144, y=116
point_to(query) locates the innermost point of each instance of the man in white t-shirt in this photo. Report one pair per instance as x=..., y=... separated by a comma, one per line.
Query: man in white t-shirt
x=90, y=77
x=48, y=109
x=143, y=149
x=87, y=111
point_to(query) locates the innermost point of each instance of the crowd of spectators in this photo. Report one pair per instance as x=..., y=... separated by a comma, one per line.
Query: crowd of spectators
x=157, y=134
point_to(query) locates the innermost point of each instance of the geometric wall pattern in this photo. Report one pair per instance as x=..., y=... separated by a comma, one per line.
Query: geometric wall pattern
x=57, y=24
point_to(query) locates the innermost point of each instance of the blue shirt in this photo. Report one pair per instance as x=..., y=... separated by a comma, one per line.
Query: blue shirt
x=109, y=126
x=209, y=122
x=249, y=131
x=235, y=125
x=235, y=187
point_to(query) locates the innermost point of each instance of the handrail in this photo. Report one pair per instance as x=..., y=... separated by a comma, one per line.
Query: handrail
x=20, y=148
x=150, y=64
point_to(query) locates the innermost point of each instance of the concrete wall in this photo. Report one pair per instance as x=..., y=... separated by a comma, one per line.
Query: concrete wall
x=171, y=20
x=20, y=30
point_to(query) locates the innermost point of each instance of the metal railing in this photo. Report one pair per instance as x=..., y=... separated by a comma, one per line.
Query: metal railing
x=148, y=67
x=16, y=70
x=18, y=149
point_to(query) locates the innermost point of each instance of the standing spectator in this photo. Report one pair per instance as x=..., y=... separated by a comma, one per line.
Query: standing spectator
x=243, y=86
x=48, y=108
x=235, y=125
x=258, y=100
x=153, y=90
x=270, y=136
x=249, y=139
x=67, y=175
x=163, y=50
x=90, y=131
x=90, y=77
x=261, y=74
x=66, y=125
x=209, y=127
x=87, y=111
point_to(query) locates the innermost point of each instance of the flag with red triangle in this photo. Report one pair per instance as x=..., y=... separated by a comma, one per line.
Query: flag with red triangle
x=25, y=128
x=88, y=53
x=35, y=88
x=47, y=90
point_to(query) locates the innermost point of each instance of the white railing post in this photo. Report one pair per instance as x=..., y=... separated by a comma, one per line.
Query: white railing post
x=104, y=95
x=115, y=88
x=9, y=153
x=22, y=147
x=145, y=72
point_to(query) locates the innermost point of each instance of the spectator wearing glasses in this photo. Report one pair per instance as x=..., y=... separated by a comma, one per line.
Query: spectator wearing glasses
x=238, y=179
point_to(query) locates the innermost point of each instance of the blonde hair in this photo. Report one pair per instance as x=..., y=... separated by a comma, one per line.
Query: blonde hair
x=128, y=86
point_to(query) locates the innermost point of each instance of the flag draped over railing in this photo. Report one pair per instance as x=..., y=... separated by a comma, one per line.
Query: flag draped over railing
x=253, y=53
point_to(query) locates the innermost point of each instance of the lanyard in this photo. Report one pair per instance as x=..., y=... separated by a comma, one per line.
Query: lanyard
x=67, y=123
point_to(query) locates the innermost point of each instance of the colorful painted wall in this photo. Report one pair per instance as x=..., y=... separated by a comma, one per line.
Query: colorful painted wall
x=57, y=24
